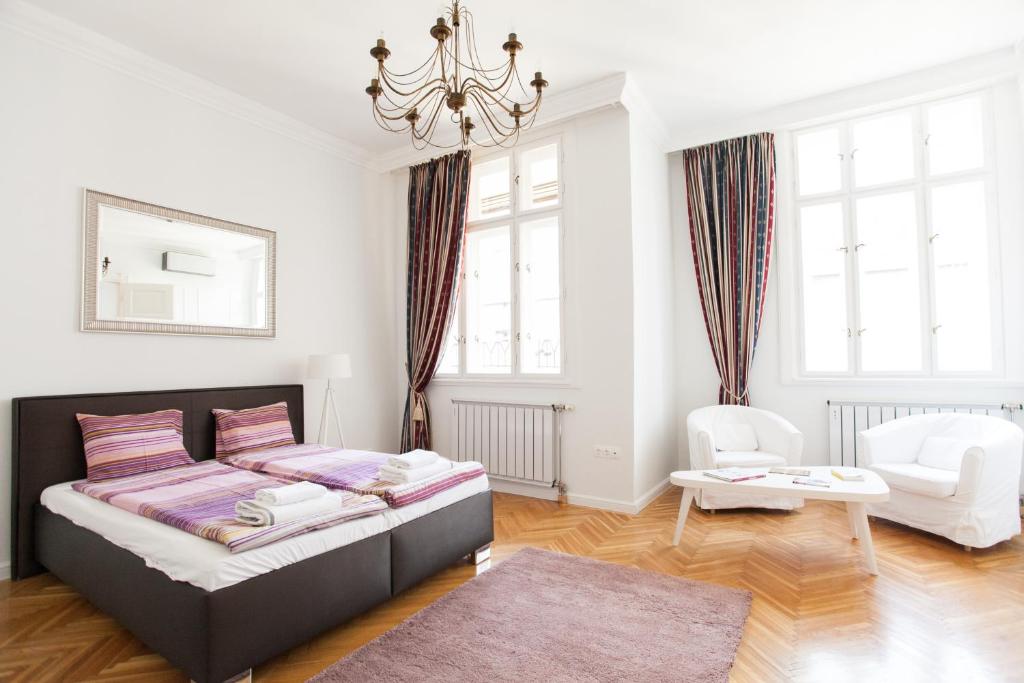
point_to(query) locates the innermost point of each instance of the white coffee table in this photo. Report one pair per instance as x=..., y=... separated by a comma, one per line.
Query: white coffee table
x=854, y=493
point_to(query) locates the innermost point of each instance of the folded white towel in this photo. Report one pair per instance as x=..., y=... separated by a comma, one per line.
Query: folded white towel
x=290, y=493
x=401, y=476
x=257, y=513
x=413, y=459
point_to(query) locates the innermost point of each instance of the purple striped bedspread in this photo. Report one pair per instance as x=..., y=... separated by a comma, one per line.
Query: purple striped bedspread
x=200, y=499
x=349, y=470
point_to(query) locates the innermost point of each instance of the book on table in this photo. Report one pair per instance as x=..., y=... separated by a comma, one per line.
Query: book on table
x=791, y=471
x=848, y=475
x=734, y=474
x=821, y=482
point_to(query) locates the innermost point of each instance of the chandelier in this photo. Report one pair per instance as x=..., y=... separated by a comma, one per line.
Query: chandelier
x=489, y=106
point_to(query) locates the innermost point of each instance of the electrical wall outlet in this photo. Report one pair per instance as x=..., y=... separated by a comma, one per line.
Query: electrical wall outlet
x=608, y=452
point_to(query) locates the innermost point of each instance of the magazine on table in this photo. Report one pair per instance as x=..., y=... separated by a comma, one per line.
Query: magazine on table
x=820, y=482
x=791, y=471
x=734, y=474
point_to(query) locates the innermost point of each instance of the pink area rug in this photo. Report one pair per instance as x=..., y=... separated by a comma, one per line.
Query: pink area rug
x=546, y=616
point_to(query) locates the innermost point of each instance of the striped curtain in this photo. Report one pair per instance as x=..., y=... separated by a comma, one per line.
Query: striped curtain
x=438, y=196
x=730, y=191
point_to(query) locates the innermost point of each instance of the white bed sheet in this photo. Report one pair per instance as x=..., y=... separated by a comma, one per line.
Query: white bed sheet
x=209, y=565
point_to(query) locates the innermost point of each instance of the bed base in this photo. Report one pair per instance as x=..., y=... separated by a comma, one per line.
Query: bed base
x=212, y=636
x=244, y=677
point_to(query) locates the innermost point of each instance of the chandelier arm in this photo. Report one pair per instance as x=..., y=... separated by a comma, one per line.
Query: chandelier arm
x=385, y=123
x=488, y=116
x=474, y=54
x=511, y=63
x=472, y=80
x=402, y=113
x=503, y=96
x=394, y=74
x=424, y=77
x=430, y=122
x=405, y=108
x=414, y=91
x=533, y=105
x=475, y=88
x=506, y=141
x=472, y=67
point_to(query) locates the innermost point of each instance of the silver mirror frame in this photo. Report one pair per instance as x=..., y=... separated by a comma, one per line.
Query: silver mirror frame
x=90, y=271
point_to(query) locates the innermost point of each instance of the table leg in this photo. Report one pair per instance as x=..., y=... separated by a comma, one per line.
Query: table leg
x=853, y=521
x=684, y=509
x=859, y=513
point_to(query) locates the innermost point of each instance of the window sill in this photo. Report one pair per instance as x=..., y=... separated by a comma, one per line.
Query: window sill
x=980, y=382
x=538, y=382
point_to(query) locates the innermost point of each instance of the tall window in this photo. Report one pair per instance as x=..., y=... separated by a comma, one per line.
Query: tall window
x=510, y=306
x=895, y=221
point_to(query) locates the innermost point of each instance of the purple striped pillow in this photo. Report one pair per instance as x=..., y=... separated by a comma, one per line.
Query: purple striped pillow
x=120, y=445
x=252, y=429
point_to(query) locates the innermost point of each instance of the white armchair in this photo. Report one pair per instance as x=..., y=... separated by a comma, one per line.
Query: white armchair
x=713, y=441
x=956, y=475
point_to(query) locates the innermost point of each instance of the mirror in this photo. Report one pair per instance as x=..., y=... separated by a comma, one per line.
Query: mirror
x=151, y=269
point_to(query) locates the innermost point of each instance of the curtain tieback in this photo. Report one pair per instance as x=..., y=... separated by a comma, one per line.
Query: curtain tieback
x=738, y=397
x=418, y=401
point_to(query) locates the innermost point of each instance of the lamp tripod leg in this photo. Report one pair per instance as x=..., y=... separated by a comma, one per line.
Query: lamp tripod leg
x=337, y=419
x=322, y=435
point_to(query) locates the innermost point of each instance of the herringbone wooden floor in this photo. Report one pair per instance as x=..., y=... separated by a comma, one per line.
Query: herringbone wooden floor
x=936, y=613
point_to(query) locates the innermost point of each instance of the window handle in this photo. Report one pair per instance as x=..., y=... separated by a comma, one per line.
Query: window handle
x=927, y=138
x=858, y=246
x=844, y=249
x=849, y=333
x=935, y=329
x=931, y=238
x=853, y=152
x=861, y=331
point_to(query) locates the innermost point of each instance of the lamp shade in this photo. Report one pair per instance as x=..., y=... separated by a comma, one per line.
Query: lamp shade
x=329, y=366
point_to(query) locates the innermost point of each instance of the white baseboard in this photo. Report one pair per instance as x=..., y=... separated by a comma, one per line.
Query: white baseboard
x=5, y=571
x=603, y=503
x=655, y=491
x=546, y=493
x=529, y=490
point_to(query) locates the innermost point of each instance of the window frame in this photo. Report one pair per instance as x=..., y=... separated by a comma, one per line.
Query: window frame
x=514, y=219
x=921, y=185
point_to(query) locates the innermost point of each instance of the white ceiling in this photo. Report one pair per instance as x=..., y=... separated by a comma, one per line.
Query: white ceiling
x=698, y=62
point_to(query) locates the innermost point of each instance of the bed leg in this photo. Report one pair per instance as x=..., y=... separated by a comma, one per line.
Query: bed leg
x=244, y=677
x=480, y=555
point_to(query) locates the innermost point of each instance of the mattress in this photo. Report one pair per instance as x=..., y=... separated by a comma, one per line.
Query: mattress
x=211, y=566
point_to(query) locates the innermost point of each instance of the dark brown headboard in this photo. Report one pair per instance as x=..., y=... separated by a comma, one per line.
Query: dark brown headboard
x=47, y=442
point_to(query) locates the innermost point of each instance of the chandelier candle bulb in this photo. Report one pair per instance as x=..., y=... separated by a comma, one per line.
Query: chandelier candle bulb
x=453, y=85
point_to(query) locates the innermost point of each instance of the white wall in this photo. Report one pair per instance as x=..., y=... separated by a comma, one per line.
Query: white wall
x=804, y=402
x=598, y=308
x=67, y=123
x=654, y=349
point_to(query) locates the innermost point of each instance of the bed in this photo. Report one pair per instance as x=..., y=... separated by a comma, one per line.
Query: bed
x=218, y=624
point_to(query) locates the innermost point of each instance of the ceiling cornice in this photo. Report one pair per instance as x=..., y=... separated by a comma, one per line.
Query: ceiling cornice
x=558, y=106
x=949, y=78
x=57, y=31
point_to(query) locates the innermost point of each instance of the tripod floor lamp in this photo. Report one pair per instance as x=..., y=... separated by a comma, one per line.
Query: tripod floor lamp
x=329, y=366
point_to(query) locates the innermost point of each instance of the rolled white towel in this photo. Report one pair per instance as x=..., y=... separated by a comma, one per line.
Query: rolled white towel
x=401, y=476
x=413, y=459
x=258, y=513
x=290, y=493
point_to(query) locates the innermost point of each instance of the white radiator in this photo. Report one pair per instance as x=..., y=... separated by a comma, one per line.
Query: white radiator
x=514, y=441
x=847, y=418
